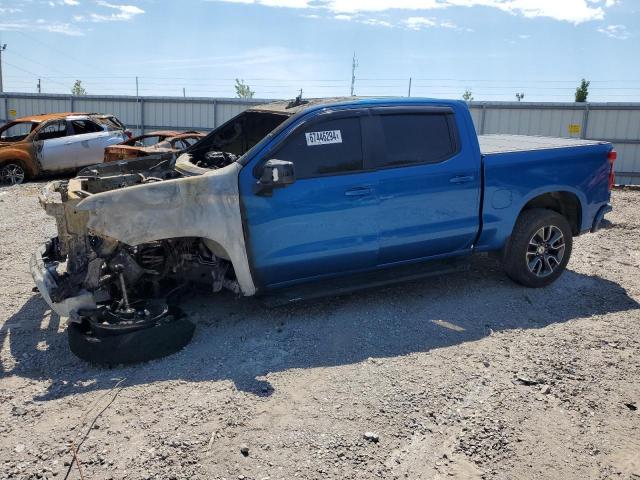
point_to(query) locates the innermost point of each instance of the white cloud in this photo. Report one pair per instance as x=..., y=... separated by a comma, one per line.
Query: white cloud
x=376, y=22
x=272, y=3
x=343, y=17
x=123, y=13
x=618, y=32
x=572, y=11
x=418, y=23
x=63, y=28
x=69, y=3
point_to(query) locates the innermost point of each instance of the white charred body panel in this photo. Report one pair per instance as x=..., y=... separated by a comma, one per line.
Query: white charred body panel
x=205, y=206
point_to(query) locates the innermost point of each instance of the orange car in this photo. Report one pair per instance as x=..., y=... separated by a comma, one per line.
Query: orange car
x=55, y=142
x=164, y=142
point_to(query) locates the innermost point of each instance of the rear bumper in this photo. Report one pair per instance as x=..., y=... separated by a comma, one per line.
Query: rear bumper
x=43, y=268
x=597, y=221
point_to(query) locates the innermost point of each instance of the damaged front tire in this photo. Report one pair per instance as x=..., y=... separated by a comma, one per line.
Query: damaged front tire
x=107, y=338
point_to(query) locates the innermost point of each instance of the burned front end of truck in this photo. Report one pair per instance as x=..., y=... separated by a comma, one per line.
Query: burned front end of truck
x=132, y=235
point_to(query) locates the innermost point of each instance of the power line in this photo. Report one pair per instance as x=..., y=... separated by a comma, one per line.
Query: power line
x=31, y=73
x=65, y=54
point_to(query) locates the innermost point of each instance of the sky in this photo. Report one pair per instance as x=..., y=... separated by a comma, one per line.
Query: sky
x=493, y=48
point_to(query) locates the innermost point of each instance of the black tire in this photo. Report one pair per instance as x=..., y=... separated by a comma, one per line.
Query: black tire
x=13, y=172
x=527, y=248
x=132, y=347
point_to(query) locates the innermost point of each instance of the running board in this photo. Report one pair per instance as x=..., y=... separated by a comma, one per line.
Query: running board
x=362, y=281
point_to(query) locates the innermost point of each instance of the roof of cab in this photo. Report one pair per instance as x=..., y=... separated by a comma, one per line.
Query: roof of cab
x=291, y=107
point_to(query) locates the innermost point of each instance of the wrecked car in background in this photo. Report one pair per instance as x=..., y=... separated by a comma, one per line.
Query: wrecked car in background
x=161, y=144
x=55, y=142
x=308, y=198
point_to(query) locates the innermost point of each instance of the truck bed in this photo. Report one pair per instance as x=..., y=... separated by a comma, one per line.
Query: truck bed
x=490, y=144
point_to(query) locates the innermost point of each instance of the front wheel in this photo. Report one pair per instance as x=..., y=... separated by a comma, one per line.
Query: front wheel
x=12, y=173
x=539, y=248
x=152, y=330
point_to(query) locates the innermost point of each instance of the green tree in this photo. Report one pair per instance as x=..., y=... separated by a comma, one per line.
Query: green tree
x=243, y=90
x=78, y=89
x=467, y=96
x=582, y=92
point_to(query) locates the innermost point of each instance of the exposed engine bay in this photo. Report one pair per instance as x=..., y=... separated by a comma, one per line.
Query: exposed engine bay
x=121, y=277
x=97, y=262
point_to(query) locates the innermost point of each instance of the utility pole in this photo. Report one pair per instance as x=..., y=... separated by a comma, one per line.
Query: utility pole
x=353, y=73
x=184, y=92
x=139, y=107
x=2, y=49
x=39, y=86
x=409, y=87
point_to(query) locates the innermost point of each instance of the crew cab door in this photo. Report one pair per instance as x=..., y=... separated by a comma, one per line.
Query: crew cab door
x=325, y=222
x=52, y=146
x=428, y=184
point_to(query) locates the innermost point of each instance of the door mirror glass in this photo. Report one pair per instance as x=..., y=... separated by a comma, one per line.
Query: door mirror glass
x=274, y=174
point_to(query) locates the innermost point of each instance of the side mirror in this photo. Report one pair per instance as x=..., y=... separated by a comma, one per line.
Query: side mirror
x=274, y=174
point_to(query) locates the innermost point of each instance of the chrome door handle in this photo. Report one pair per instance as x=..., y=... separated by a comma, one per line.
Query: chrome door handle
x=358, y=192
x=462, y=179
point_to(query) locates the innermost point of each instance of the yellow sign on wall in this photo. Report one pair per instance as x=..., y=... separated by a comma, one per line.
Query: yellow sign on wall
x=12, y=113
x=574, y=128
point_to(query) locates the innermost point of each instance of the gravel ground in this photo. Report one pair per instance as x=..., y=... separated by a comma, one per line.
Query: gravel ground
x=462, y=376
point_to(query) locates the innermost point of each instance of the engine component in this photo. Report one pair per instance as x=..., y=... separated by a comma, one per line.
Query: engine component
x=215, y=160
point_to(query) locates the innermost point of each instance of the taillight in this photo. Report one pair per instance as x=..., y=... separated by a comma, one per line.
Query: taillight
x=613, y=156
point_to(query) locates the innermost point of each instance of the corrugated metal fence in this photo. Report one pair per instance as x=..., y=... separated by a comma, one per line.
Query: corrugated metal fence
x=140, y=114
x=618, y=123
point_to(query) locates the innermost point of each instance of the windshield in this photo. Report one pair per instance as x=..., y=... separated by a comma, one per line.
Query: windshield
x=16, y=131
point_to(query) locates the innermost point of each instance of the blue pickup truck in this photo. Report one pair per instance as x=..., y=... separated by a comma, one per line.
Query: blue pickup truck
x=295, y=199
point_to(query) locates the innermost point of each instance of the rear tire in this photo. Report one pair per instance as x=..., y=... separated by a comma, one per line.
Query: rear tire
x=111, y=348
x=539, y=248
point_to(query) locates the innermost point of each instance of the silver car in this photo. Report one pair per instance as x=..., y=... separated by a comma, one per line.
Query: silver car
x=57, y=142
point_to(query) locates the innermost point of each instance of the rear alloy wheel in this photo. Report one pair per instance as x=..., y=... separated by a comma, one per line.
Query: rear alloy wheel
x=12, y=174
x=539, y=248
x=546, y=251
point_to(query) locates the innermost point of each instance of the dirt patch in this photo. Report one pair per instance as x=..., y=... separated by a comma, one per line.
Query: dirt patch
x=462, y=376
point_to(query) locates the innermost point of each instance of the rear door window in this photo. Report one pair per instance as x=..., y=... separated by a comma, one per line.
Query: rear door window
x=80, y=127
x=331, y=146
x=55, y=129
x=413, y=138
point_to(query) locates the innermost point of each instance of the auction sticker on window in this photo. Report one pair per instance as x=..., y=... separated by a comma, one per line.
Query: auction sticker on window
x=323, y=138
